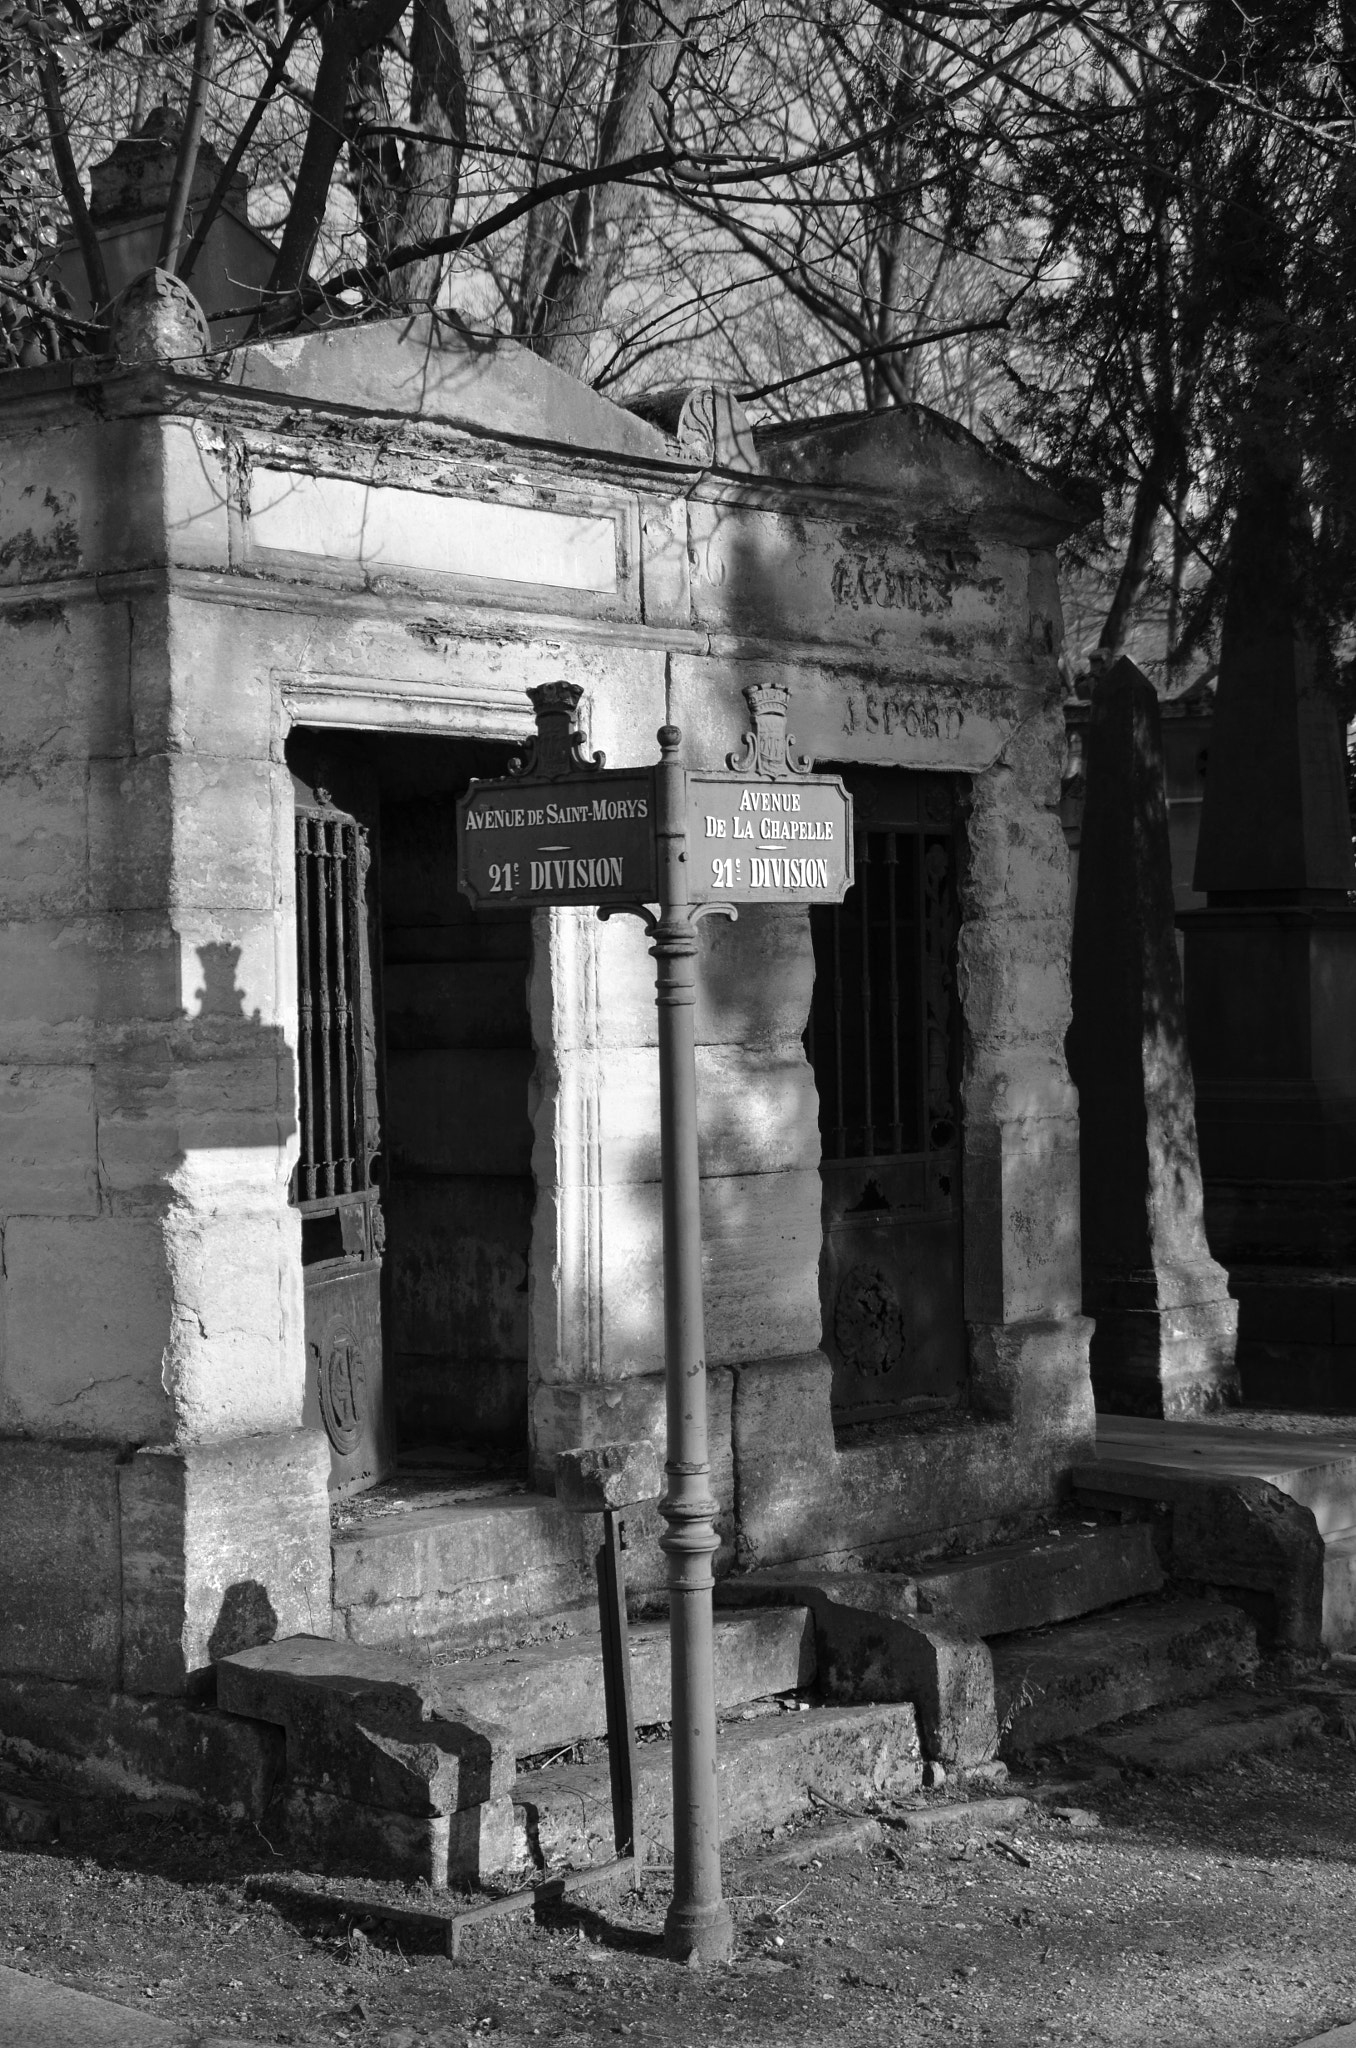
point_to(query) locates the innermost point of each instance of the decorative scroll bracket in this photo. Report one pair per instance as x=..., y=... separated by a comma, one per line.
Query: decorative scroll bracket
x=558, y=746
x=651, y=923
x=767, y=750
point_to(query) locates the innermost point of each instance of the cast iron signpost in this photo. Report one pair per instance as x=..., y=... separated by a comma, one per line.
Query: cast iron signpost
x=567, y=830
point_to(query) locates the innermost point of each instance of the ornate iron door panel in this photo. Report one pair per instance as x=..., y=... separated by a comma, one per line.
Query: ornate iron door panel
x=883, y=1043
x=335, y=1183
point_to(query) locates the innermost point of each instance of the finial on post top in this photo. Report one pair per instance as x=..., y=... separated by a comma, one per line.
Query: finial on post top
x=767, y=749
x=158, y=320
x=558, y=746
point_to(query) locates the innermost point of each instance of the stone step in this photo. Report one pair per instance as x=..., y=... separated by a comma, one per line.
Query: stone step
x=475, y=1571
x=770, y=1771
x=1204, y=1734
x=1316, y=1469
x=1216, y=1476
x=540, y=1696
x=1083, y=1674
x=1046, y=1579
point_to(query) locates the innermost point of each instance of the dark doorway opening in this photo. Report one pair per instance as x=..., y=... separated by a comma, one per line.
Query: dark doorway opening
x=417, y=1320
x=884, y=1042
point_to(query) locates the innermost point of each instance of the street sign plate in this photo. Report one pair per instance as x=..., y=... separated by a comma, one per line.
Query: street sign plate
x=751, y=840
x=573, y=839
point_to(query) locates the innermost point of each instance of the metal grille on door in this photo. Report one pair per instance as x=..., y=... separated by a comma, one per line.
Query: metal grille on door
x=330, y=922
x=334, y=1184
x=882, y=1040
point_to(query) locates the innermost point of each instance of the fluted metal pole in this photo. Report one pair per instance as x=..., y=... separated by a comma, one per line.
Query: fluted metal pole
x=698, y=1921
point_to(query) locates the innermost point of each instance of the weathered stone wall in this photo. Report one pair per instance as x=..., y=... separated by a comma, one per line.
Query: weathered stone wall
x=150, y=1283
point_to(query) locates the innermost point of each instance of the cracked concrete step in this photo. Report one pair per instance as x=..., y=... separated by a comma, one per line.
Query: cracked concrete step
x=1045, y=1579
x=770, y=1771
x=536, y=1697
x=1083, y=1674
x=1207, y=1733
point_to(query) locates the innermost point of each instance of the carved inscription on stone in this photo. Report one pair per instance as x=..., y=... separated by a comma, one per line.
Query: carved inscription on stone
x=888, y=586
x=889, y=712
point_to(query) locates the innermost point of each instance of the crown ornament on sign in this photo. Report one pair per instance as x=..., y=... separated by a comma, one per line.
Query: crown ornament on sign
x=767, y=750
x=558, y=748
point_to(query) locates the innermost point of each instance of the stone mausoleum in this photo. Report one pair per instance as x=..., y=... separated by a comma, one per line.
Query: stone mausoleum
x=329, y=1210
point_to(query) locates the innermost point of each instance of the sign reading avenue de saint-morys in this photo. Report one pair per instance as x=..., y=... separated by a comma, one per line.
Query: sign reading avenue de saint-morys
x=574, y=839
x=752, y=841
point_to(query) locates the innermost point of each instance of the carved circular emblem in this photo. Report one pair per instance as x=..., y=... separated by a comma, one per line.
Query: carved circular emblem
x=343, y=1388
x=868, y=1322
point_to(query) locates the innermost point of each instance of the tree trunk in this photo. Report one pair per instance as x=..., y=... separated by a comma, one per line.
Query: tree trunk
x=594, y=239
x=345, y=33
x=431, y=175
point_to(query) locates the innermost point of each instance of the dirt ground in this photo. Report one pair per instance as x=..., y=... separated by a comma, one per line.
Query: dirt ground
x=1215, y=1909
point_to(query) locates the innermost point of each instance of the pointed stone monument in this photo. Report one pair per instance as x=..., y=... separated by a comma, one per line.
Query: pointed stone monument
x=1165, y=1324
x=1271, y=980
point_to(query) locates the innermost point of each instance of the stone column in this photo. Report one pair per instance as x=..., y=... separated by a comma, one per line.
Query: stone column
x=1028, y=1339
x=158, y=1498
x=1271, y=978
x=1165, y=1324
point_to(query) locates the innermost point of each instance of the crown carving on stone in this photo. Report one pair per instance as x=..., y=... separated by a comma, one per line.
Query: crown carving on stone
x=558, y=746
x=767, y=750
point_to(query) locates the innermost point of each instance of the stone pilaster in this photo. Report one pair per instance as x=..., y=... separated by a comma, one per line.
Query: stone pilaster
x=1166, y=1326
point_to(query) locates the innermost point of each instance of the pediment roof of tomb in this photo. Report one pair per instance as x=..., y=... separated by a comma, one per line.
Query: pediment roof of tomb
x=942, y=471
x=428, y=367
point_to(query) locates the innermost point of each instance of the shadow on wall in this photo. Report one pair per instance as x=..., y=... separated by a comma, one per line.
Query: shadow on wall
x=171, y=1287
x=247, y=1619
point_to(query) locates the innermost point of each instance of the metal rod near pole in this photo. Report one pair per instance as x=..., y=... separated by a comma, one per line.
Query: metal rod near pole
x=698, y=1922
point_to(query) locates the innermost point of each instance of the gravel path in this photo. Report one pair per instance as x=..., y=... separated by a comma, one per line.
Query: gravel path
x=1219, y=1909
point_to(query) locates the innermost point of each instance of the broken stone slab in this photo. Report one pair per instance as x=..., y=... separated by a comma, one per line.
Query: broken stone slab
x=1044, y=1579
x=769, y=1771
x=370, y=1728
x=872, y=1646
x=961, y=1817
x=598, y=1476
x=821, y=1845
x=1200, y=1737
x=1085, y=1674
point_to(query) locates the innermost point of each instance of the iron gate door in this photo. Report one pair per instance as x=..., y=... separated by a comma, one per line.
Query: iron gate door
x=335, y=1183
x=883, y=1042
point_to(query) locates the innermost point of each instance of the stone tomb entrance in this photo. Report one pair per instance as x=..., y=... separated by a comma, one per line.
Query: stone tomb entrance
x=303, y=1167
x=883, y=1040
x=414, y=1178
